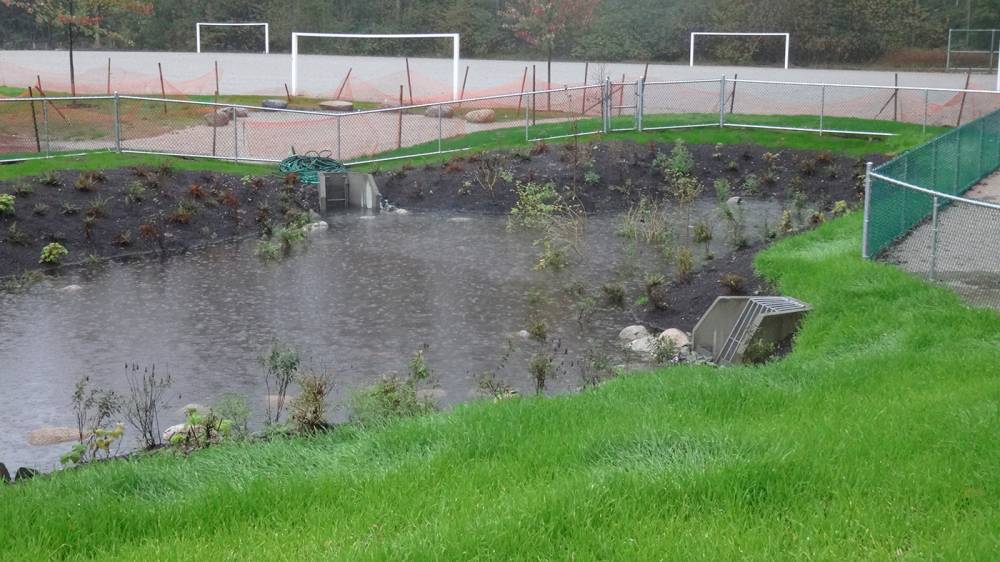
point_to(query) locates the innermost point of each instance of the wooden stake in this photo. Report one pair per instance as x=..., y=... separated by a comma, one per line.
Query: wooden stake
x=583, y=103
x=216, y=81
x=961, y=108
x=288, y=95
x=409, y=82
x=399, y=130
x=163, y=89
x=340, y=90
x=38, y=86
x=645, y=71
x=34, y=121
x=534, y=89
x=524, y=77
x=461, y=96
x=732, y=98
x=109, y=76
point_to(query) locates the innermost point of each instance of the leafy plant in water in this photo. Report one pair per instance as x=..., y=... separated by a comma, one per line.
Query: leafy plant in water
x=702, y=232
x=145, y=398
x=93, y=409
x=751, y=184
x=267, y=250
x=722, y=190
x=536, y=204
x=53, y=253
x=308, y=409
x=234, y=407
x=280, y=367
x=614, y=294
x=394, y=396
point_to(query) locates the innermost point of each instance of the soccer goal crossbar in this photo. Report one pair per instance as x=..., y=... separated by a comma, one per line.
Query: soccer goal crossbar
x=454, y=48
x=740, y=34
x=199, y=25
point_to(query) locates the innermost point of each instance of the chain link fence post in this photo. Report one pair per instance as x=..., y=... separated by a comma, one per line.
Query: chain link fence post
x=934, y=238
x=440, y=138
x=722, y=101
x=45, y=126
x=339, y=118
x=926, y=100
x=236, y=135
x=822, y=107
x=640, y=102
x=868, y=212
x=606, y=105
x=118, y=124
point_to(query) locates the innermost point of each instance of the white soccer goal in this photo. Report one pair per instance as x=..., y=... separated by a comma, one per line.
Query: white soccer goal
x=734, y=34
x=454, y=48
x=198, y=26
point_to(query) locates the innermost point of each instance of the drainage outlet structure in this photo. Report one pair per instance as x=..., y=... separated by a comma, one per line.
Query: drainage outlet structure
x=347, y=190
x=731, y=323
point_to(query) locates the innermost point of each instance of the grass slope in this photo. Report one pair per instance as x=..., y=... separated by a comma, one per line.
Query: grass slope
x=875, y=439
x=907, y=136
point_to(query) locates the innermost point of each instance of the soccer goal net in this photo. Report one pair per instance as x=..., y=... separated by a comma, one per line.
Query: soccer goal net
x=198, y=27
x=777, y=36
x=453, y=37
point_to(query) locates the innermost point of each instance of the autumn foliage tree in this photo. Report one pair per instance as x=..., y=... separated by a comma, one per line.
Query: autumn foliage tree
x=87, y=17
x=543, y=23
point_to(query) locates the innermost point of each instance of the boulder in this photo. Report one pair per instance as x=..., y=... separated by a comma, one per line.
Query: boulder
x=52, y=435
x=217, y=119
x=646, y=345
x=734, y=203
x=4, y=474
x=70, y=289
x=317, y=226
x=274, y=104
x=25, y=473
x=481, y=116
x=674, y=337
x=174, y=430
x=239, y=111
x=524, y=334
x=631, y=333
x=446, y=111
x=342, y=106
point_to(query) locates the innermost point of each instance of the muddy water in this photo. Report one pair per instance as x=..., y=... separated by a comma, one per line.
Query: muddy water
x=358, y=300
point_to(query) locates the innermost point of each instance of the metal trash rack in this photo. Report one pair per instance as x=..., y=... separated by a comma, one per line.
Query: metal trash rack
x=731, y=323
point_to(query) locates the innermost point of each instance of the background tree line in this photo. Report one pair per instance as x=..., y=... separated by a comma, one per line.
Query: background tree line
x=824, y=32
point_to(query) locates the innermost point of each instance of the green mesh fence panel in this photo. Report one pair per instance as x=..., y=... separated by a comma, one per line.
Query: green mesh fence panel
x=951, y=163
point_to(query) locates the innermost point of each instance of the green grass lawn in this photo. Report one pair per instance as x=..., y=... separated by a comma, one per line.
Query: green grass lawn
x=874, y=440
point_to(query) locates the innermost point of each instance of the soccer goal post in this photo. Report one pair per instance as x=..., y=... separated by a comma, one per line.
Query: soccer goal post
x=199, y=25
x=739, y=34
x=454, y=51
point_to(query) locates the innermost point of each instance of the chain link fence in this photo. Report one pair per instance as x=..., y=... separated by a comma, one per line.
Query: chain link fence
x=930, y=211
x=37, y=127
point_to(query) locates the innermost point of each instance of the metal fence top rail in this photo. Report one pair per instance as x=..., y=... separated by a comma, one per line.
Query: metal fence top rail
x=960, y=199
x=873, y=86
x=698, y=81
x=59, y=98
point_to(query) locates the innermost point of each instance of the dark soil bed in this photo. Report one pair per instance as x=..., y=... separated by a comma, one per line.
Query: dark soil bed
x=614, y=176
x=139, y=211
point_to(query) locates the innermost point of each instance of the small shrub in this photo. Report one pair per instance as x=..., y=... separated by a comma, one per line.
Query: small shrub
x=656, y=291
x=717, y=153
x=281, y=365
x=840, y=208
x=488, y=171
x=16, y=236
x=553, y=255
x=832, y=171
x=614, y=294
x=123, y=238
x=734, y=283
x=40, y=209
x=733, y=166
x=536, y=204
x=454, y=166
x=89, y=221
x=149, y=231
x=702, y=232
x=53, y=253
x=23, y=190
x=182, y=215
x=542, y=368
x=134, y=193
x=69, y=209
x=308, y=409
x=98, y=207
x=590, y=177
x=6, y=204
x=538, y=148
x=146, y=397
x=165, y=169
x=234, y=407
x=681, y=161
x=50, y=179
x=751, y=184
x=229, y=199
x=538, y=331
x=85, y=182
x=824, y=157
x=785, y=224
x=684, y=265
x=808, y=168
x=816, y=217
x=722, y=190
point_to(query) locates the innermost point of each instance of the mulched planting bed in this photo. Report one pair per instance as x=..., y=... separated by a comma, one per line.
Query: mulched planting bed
x=139, y=211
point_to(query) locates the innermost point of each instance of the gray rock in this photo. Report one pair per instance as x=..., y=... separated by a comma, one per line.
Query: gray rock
x=675, y=337
x=446, y=111
x=239, y=111
x=217, y=119
x=342, y=106
x=734, y=203
x=646, y=345
x=4, y=474
x=168, y=433
x=52, y=435
x=274, y=104
x=481, y=116
x=631, y=333
x=70, y=289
